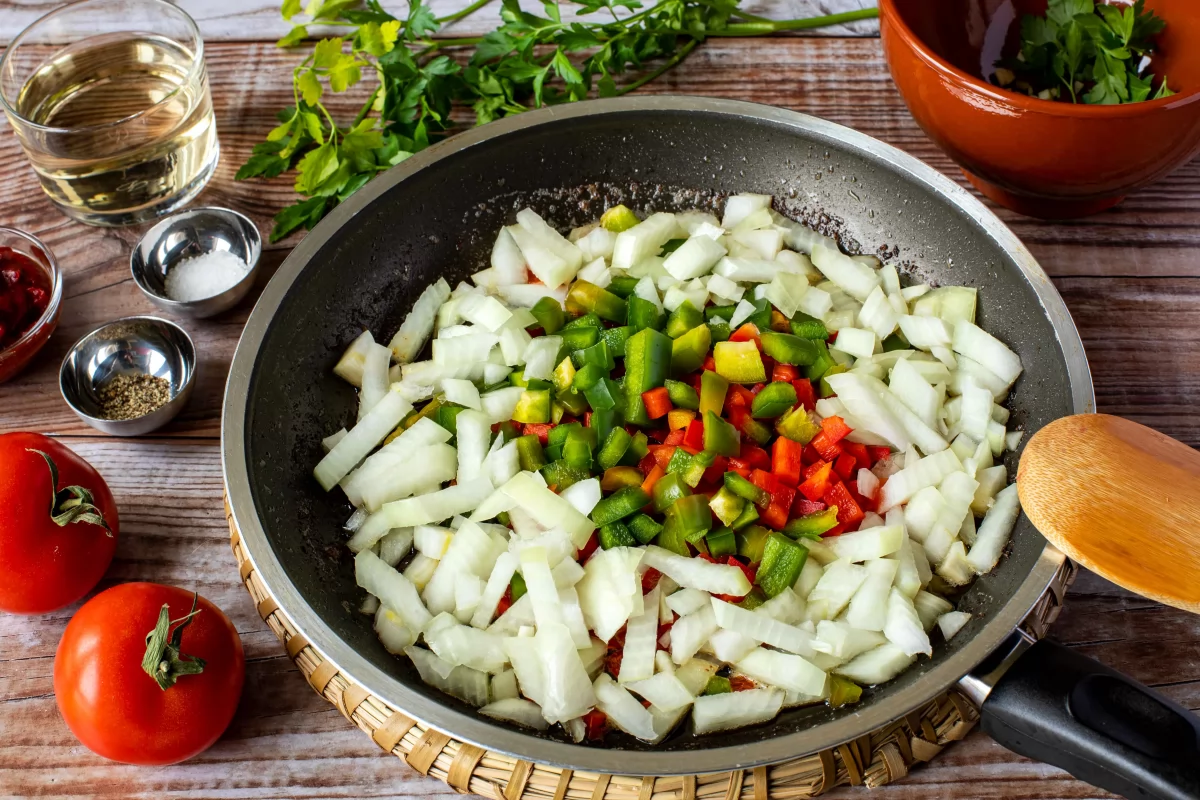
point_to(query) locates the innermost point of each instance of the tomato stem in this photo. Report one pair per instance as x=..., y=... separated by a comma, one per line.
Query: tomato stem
x=71, y=503
x=163, y=660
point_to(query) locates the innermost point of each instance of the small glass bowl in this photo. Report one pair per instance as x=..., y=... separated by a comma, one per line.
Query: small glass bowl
x=17, y=355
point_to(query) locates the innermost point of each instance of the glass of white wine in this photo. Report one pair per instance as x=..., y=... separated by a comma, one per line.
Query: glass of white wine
x=111, y=103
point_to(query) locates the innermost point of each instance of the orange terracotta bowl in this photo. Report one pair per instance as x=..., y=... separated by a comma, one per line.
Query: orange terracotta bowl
x=1042, y=158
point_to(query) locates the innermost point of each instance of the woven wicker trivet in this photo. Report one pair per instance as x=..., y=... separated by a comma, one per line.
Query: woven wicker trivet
x=879, y=758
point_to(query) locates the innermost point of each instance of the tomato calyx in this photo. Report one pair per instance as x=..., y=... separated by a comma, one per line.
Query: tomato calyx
x=71, y=503
x=164, y=660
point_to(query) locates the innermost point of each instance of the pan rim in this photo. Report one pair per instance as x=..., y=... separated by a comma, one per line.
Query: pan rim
x=476, y=730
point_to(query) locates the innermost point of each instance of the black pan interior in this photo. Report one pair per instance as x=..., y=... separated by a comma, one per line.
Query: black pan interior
x=441, y=222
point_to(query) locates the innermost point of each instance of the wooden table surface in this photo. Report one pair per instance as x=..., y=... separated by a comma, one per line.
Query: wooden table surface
x=1131, y=277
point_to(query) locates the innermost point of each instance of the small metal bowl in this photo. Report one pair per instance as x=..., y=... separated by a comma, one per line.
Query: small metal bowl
x=135, y=346
x=194, y=233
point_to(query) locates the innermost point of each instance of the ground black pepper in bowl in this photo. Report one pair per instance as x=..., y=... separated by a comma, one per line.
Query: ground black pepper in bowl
x=129, y=396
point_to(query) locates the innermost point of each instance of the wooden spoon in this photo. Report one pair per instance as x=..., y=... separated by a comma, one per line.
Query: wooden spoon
x=1121, y=499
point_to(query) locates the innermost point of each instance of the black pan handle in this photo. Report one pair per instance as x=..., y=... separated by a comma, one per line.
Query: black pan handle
x=1058, y=706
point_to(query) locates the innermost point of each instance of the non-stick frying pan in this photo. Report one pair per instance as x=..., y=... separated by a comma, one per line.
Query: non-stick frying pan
x=436, y=214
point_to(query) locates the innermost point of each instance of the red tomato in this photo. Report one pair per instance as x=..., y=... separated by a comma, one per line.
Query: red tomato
x=117, y=709
x=49, y=564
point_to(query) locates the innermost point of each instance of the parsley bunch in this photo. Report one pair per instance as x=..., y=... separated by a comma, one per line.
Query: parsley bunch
x=528, y=61
x=1086, y=51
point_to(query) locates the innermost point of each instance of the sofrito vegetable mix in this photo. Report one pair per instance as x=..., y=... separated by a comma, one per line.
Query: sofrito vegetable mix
x=673, y=465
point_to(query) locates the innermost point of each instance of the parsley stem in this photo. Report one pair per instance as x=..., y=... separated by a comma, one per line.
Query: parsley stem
x=759, y=28
x=439, y=44
x=466, y=12
x=670, y=63
x=366, y=109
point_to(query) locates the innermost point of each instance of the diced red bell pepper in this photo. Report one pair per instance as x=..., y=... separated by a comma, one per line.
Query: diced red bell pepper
x=844, y=465
x=740, y=683
x=693, y=439
x=811, y=456
x=647, y=463
x=804, y=506
x=657, y=402
x=587, y=419
x=756, y=388
x=710, y=365
x=716, y=472
x=657, y=434
x=754, y=455
x=785, y=373
x=653, y=477
x=675, y=437
x=782, y=495
x=861, y=457
x=849, y=512
x=775, y=515
x=749, y=570
x=835, y=428
x=585, y=553
x=806, y=395
x=662, y=454
x=696, y=382
x=744, y=395
x=865, y=503
x=831, y=338
x=740, y=467
x=595, y=724
x=538, y=429
x=828, y=450
x=747, y=333
x=650, y=579
x=786, y=460
x=836, y=530
x=811, y=469
x=878, y=453
x=505, y=603
x=815, y=486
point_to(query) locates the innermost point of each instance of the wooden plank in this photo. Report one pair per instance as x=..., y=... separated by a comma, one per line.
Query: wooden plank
x=260, y=20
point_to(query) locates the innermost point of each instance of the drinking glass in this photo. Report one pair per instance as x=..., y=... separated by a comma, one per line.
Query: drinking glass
x=110, y=101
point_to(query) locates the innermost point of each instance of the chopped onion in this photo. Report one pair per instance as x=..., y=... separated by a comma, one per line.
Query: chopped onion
x=643, y=240
x=484, y=311
x=664, y=691
x=857, y=280
x=462, y=645
x=908, y=576
x=361, y=440
x=995, y=530
x=978, y=345
x=526, y=295
x=903, y=627
x=747, y=270
x=911, y=389
x=502, y=463
x=741, y=313
x=393, y=590
x=555, y=543
x=418, y=325
x=687, y=601
x=843, y=641
x=420, y=570
x=549, y=509
x=925, y=333
x=730, y=646
x=723, y=288
x=542, y=260
x=541, y=356
x=646, y=290
x=395, y=546
x=391, y=630
x=507, y=262
x=375, y=380
x=499, y=405
x=597, y=244
x=877, y=666
x=567, y=689
x=695, y=257
x=721, y=712
x=952, y=622
x=816, y=303
x=609, y=588
x=784, y=671
x=976, y=410
x=461, y=392
x=928, y=471
x=810, y=574
x=765, y=243
x=457, y=350
x=504, y=687
x=623, y=708
x=740, y=206
x=869, y=543
x=763, y=628
x=521, y=712
x=583, y=495
x=861, y=399
x=856, y=341
x=929, y=607
x=786, y=292
x=471, y=551
x=991, y=481
x=330, y=441
x=868, y=484
x=432, y=541
x=838, y=583
x=493, y=591
x=433, y=507
x=641, y=642
x=468, y=685
x=350, y=366
x=868, y=607
x=572, y=613
x=955, y=568
x=518, y=615
x=467, y=591
x=689, y=633
x=696, y=573
x=535, y=568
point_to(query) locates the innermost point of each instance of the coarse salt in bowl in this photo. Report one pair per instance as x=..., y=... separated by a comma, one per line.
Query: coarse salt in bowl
x=204, y=276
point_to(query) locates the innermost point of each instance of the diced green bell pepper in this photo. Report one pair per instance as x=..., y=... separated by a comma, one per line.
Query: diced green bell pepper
x=721, y=543
x=689, y=350
x=623, y=286
x=579, y=338
x=717, y=684
x=553, y=452
x=719, y=312
x=564, y=375
x=620, y=477
x=739, y=362
x=447, y=415
x=751, y=540
x=529, y=453
x=572, y=401
x=616, y=534
x=691, y=516
x=669, y=488
x=798, y=426
x=588, y=376
x=639, y=448
x=615, y=338
x=558, y=434
x=719, y=330
x=671, y=246
x=807, y=327
x=713, y=389
x=781, y=564
x=597, y=354
x=788, y=349
x=690, y=467
x=560, y=474
x=509, y=430
x=720, y=437
x=643, y=314
x=604, y=395
x=824, y=361
x=843, y=691
x=618, y=218
x=774, y=400
x=749, y=515
x=761, y=318
x=682, y=395
x=588, y=320
x=517, y=585
x=727, y=506
x=647, y=358
x=746, y=490
x=894, y=342
x=620, y=504
x=591, y=298
x=836, y=369
x=811, y=526
x=753, y=600
x=577, y=449
x=671, y=538
x=517, y=378
x=644, y=528
x=755, y=430
x=549, y=314
x=615, y=445
x=604, y=422
x=683, y=319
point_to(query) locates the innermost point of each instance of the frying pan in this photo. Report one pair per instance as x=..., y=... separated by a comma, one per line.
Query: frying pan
x=436, y=214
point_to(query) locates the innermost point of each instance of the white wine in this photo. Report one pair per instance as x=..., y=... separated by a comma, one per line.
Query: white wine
x=122, y=128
